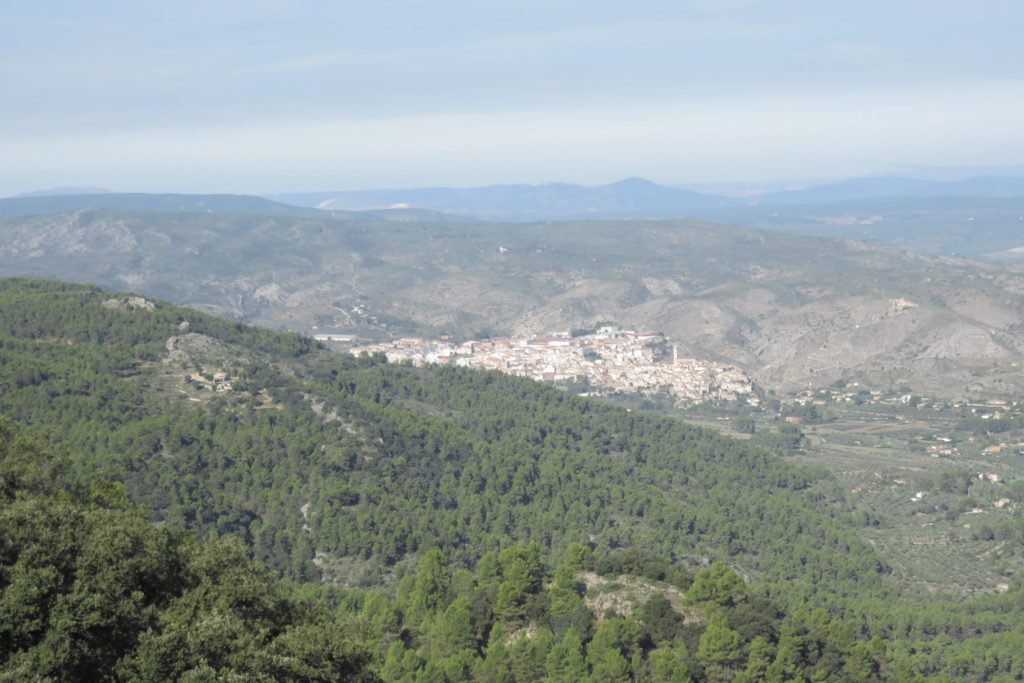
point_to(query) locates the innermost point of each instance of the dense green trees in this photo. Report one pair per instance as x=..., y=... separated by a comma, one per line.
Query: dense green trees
x=91, y=590
x=454, y=638
x=502, y=493
x=343, y=456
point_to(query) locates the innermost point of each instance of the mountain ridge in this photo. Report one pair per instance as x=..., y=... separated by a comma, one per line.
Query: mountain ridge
x=640, y=198
x=769, y=302
x=223, y=204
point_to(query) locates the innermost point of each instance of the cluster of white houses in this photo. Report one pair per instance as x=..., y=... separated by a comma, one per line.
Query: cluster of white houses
x=609, y=359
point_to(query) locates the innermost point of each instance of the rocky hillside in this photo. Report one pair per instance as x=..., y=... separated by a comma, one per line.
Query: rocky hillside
x=793, y=310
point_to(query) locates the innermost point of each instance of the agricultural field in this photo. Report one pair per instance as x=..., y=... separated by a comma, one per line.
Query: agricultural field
x=931, y=488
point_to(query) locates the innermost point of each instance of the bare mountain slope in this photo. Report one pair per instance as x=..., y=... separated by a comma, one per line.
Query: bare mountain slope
x=794, y=311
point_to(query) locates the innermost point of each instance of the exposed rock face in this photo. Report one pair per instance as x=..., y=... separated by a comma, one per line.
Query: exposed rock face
x=130, y=303
x=199, y=350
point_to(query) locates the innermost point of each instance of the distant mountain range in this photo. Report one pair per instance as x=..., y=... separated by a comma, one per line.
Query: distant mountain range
x=896, y=187
x=638, y=198
x=980, y=217
x=629, y=198
x=45, y=202
x=42, y=203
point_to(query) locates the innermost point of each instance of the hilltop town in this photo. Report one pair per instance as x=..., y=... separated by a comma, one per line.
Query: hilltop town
x=594, y=361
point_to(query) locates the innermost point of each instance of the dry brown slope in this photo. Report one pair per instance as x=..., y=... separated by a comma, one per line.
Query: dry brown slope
x=795, y=311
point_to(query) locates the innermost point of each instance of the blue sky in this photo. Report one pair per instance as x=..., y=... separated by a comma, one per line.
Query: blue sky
x=266, y=97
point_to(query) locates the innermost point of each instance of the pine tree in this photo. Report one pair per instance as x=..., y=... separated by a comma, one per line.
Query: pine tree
x=720, y=650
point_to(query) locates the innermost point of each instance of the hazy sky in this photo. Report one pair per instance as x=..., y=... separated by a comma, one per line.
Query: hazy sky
x=265, y=97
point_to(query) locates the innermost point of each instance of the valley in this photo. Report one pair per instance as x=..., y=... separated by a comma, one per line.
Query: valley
x=857, y=411
x=792, y=311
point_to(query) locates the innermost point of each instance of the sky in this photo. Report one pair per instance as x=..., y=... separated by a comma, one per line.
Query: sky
x=274, y=97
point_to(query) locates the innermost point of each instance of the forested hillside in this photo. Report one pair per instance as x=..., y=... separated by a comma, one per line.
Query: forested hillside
x=464, y=520
x=319, y=455
x=92, y=590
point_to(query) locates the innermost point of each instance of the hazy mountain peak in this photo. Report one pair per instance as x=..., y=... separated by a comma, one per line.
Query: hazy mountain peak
x=634, y=181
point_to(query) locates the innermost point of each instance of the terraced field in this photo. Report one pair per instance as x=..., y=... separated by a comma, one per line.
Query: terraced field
x=892, y=484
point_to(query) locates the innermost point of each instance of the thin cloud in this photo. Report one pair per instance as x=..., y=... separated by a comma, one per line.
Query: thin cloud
x=463, y=90
x=788, y=135
x=503, y=46
x=852, y=51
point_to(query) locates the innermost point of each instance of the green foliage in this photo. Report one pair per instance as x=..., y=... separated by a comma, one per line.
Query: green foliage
x=565, y=662
x=787, y=439
x=409, y=458
x=661, y=622
x=92, y=591
x=720, y=650
x=480, y=481
x=719, y=585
